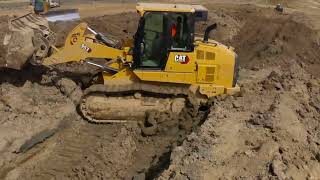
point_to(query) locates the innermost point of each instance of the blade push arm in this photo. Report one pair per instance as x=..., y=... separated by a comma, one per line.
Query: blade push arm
x=80, y=46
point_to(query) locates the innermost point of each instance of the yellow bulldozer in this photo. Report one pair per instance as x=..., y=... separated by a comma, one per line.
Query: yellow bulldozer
x=164, y=68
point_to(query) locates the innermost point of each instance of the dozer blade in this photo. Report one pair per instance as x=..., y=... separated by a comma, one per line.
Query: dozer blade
x=62, y=15
x=28, y=37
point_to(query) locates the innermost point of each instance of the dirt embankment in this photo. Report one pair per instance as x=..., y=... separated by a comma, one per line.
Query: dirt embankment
x=119, y=26
x=269, y=38
x=272, y=129
x=269, y=131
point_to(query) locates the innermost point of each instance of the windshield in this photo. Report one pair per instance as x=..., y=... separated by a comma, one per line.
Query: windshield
x=159, y=33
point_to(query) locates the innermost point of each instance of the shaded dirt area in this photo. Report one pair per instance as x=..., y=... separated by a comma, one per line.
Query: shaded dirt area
x=271, y=130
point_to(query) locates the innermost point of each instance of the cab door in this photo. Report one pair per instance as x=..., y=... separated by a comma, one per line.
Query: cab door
x=165, y=44
x=154, y=42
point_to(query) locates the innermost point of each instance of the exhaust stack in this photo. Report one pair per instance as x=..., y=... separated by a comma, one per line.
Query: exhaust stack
x=207, y=32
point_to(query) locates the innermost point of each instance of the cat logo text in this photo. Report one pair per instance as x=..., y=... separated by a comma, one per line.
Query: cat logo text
x=182, y=59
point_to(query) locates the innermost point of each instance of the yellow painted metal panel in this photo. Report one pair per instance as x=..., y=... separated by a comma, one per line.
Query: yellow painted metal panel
x=124, y=74
x=161, y=76
x=224, y=61
x=79, y=46
x=181, y=62
x=206, y=73
x=211, y=90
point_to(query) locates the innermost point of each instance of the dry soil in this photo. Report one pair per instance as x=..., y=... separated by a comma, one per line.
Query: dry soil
x=271, y=130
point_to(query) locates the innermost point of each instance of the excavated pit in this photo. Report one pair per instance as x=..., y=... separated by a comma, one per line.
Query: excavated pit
x=271, y=130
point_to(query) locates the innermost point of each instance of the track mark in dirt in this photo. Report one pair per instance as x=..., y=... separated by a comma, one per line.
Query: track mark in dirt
x=118, y=151
x=36, y=139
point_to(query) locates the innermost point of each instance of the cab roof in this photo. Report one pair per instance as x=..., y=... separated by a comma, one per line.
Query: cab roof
x=159, y=7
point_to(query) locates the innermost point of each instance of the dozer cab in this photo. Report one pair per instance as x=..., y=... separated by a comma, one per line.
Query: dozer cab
x=164, y=68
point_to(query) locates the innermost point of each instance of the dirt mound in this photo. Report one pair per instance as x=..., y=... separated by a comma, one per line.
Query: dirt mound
x=279, y=38
x=271, y=129
x=120, y=26
x=264, y=37
x=227, y=25
x=62, y=30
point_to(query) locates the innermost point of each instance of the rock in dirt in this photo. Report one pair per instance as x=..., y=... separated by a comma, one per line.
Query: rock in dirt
x=236, y=104
x=70, y=89
x=141, y=176
x=277, y=168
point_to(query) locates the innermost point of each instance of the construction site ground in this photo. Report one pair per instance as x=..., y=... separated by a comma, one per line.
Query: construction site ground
x=271, y=130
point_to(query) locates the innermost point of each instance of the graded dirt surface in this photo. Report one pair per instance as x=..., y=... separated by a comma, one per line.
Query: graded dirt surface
x=271, y=130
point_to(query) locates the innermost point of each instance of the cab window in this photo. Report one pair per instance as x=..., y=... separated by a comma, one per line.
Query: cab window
x=181, y=31
x=158, y=34
x=154, y=43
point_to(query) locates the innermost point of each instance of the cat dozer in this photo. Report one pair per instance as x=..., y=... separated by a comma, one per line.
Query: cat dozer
x=164, y=68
